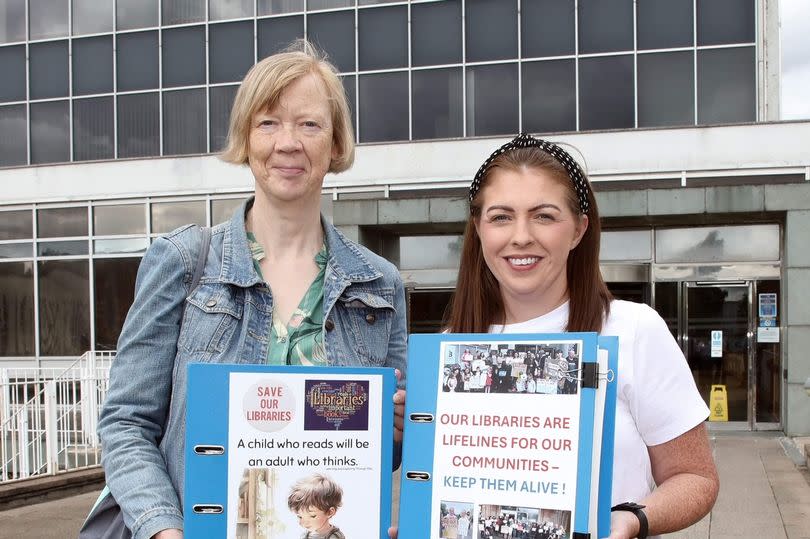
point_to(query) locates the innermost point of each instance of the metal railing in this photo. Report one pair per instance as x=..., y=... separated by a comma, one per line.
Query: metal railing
x=48, y=417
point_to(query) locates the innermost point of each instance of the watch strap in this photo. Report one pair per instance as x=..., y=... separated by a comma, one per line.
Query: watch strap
x=638, y=510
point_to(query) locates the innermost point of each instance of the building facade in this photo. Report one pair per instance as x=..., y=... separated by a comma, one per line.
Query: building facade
x=111, y=112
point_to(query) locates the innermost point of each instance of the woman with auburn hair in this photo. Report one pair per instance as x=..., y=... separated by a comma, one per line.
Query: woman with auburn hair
x=530, y=264
x=280, y=285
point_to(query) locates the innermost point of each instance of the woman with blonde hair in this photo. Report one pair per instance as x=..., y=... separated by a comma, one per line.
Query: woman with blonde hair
x=280, y=286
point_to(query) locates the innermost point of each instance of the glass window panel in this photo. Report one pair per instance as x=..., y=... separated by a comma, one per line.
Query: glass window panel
x=328, y=4
x=549, y=96
x=12, y=65
x=436, y=31
x=16, y=225
x=138, y=125
x=373, y=2
x=14, y=150
x=664, y=23
x=114, y=287
x=747, y=243
x=184, y=122
x=666, y=89
x=17, y=332
x=183, y=11
x=50, y=132
x=350, y=86
x=183, y=56
x=131, y=14
x=64, y=307
x=725, y=21
x=437, y=103
x=606, y=92
x=491, y=30
x=626, y=245
x=16, y=250
x=273, y=35
x=605, y=25
x=334, y=34
x=166, y=216
x=429, y=252
x=384, y=107
x=726, y=85
x=93, y=129
x=12, y=21
x=274, y=7
x=48, y=18
x=92, y=16
x=92, y=65
x=492, y=100
x=123, y=245
x=62, y=222
x=119, y=219
x=137, y=61
x=383, y=37
x=62, y=248
x=221, y=102
x=230, y=9
x=48, y=69
x=230, y=51
x=547, y=28
x=222, y=209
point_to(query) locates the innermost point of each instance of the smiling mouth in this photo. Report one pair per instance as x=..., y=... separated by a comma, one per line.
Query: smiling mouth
x=523, y=261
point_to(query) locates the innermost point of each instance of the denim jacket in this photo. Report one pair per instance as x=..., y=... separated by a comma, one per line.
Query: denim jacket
x=225, y=319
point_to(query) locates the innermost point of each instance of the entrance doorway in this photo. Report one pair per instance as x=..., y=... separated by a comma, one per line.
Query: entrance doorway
x=718, y=326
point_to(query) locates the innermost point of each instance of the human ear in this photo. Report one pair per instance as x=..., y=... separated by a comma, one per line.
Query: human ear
x=331, y=512
x=582, y=226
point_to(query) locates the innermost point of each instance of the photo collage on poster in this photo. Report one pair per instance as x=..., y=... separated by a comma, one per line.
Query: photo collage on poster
x=550, y=368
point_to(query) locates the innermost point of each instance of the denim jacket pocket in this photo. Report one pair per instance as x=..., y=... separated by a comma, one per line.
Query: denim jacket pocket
x=369, y=315
x=211, y=315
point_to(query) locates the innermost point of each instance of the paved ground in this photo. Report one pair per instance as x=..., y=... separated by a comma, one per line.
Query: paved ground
x=762, y=496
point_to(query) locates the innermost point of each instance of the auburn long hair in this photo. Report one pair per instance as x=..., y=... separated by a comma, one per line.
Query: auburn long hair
x=477, y=301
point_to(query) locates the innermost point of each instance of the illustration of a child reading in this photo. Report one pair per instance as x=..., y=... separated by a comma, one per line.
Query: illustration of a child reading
x=315, y=500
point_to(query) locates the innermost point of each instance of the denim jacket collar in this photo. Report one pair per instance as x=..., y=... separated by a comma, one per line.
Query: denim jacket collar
x=345, y=259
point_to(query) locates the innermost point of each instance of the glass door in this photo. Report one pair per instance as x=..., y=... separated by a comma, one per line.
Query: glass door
x=717, y=343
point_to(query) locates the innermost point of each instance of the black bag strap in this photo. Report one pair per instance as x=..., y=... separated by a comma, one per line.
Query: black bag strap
x=202, y=256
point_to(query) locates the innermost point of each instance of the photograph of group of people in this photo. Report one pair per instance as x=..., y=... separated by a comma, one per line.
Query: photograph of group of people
x=495, y=521
x=456, y=520
x=546, y=368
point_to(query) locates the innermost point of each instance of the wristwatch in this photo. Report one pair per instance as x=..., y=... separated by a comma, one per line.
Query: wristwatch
x=636, y=509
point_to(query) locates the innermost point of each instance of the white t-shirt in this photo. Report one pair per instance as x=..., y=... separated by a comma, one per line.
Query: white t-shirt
x=657, y=397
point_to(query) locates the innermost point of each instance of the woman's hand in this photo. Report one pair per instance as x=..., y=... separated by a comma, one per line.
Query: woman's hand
x=392, y=532
x=399, y=410
x=169, y=534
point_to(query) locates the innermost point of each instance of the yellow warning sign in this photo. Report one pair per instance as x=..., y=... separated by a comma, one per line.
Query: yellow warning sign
x=718, y=403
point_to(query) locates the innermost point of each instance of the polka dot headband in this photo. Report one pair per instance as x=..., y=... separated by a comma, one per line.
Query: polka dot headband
x=525, y=140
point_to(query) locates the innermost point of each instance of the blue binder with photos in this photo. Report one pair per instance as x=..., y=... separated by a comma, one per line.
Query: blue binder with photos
x=207, y=452
x=433, y=495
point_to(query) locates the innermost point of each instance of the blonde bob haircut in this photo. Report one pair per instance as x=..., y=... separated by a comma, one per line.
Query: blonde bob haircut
x=262, y=87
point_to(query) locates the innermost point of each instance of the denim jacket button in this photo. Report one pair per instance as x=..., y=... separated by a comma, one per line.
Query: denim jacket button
x=371, y=318
x=210, y=303
x=329, y=325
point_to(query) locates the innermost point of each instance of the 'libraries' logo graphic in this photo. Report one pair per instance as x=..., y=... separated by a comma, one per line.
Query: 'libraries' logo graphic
x=336, y=405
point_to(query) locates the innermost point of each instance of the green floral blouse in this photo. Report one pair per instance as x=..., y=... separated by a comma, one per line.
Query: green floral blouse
x=300, y=340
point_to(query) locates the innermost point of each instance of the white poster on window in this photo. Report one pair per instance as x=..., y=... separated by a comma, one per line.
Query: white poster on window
x=717, y=343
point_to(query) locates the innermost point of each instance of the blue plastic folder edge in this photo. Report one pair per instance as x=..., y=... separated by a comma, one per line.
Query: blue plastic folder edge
x=206, y=477
x=611, y=344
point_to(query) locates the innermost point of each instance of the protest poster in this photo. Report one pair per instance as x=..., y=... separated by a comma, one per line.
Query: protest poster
x=503, y=444
x=259, y=437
